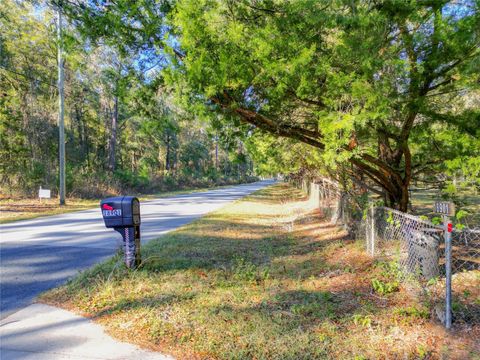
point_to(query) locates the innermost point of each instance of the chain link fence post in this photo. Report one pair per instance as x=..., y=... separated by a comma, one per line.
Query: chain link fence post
x=372, y=230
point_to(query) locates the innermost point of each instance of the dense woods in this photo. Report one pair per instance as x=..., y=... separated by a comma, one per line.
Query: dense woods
x=123, y=129
x=378, y=94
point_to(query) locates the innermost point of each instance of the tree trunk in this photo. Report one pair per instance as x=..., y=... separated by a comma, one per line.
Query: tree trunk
x=398, y=198
x=216, y=151
x=167, y=156
x=404, y=199
x=387, y=172
x=113, y=136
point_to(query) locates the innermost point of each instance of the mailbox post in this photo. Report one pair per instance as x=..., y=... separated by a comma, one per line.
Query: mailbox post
x=123, y=215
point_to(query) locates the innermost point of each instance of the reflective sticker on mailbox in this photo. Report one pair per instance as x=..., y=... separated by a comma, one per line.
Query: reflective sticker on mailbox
x=110, y=213
x=107, y=207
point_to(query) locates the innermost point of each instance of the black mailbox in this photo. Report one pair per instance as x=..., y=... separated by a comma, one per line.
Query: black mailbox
x=122, y=213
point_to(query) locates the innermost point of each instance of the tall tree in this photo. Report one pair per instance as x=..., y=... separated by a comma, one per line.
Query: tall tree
x=356, y=79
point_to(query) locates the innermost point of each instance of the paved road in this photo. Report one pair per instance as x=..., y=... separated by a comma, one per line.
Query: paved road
x=36, y=255
x=42, y=332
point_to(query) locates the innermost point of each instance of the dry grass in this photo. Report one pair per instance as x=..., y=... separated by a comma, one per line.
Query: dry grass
x=263, y=278
x=13, y=209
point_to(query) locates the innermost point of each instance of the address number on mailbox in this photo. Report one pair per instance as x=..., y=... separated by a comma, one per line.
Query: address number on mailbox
x=115, y=212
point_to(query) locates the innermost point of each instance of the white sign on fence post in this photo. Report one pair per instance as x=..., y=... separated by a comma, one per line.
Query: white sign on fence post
x=444, y=208
x=44, y=193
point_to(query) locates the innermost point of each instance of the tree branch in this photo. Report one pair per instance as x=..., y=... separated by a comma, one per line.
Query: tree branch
x=261, y=121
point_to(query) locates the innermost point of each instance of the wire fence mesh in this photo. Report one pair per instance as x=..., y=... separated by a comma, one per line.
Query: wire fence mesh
x=415, y=244
x=466, y=276
x=419, y=248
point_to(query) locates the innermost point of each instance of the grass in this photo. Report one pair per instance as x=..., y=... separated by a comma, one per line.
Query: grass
x=468, y=200
x=15, y=209
x=263, y=278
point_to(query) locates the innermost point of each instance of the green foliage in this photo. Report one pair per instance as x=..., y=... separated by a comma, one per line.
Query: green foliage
x=362, y=320
x=384, y=288
x=27, y=135
x=154, y=143
x=389, y=219
x=460, y=217
x=413, y=312
x=389, y=279
x=390, y=269
x=422, y=351
x=360, y=357
x=461, y=214
x=449, y=192
x=319, y=305
x=129, y=179
x=36, y=174
x=244, y=270
x=339, y=71
x=193, y=155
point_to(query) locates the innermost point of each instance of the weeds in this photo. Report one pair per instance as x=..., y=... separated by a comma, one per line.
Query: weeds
x=412, y=312
x=384, y=288
x=389, y=278
x=244, y=270
x=362, y=320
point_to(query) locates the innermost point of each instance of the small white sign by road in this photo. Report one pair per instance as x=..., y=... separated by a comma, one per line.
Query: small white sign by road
x=44, y=193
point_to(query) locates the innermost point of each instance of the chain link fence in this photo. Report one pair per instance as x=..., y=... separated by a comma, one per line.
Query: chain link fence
x=466, y=276
x=416, y=245
x=413, y=242
x=419, y=248
x=334, y=203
